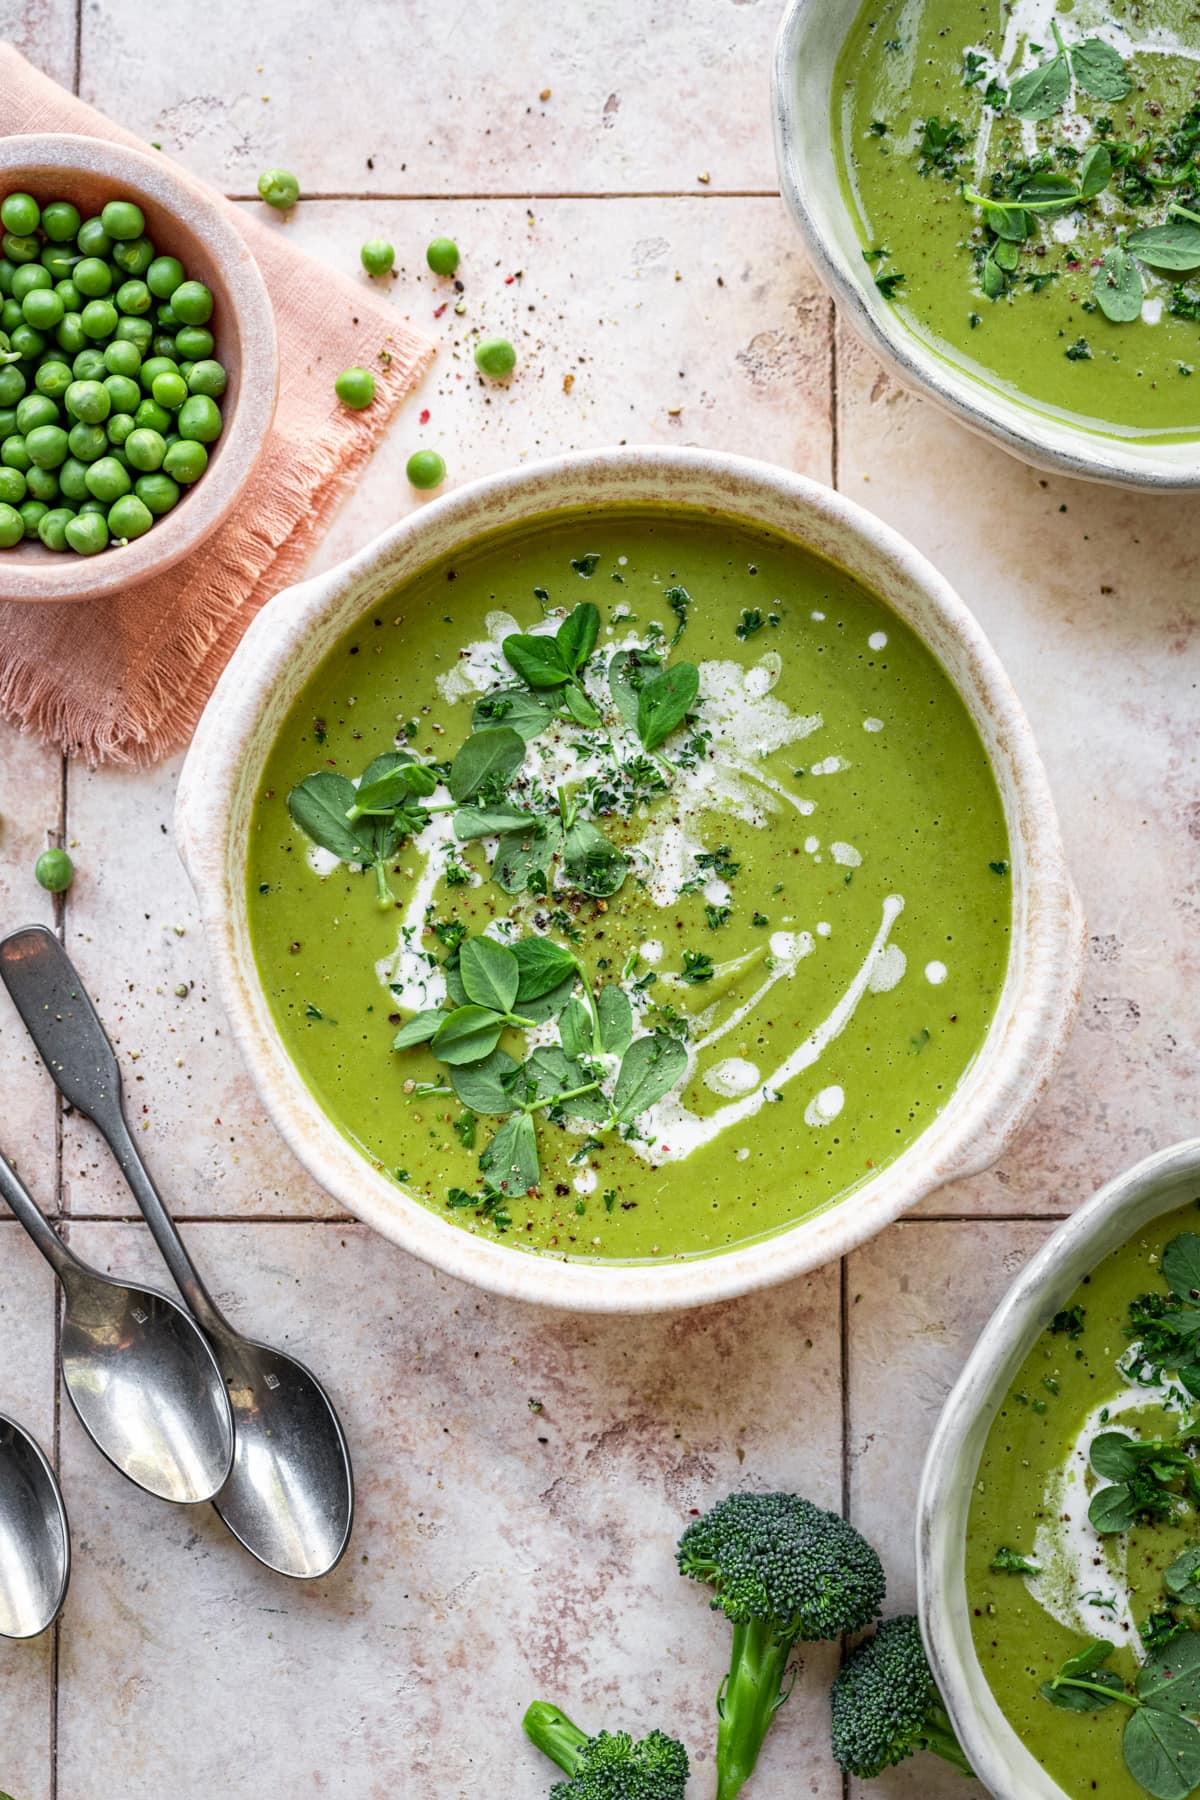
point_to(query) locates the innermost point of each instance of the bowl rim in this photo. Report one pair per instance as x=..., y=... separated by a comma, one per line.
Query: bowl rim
x=1044, y=1284
x=1033, y=436
x=968, y=1134
x=204, y=217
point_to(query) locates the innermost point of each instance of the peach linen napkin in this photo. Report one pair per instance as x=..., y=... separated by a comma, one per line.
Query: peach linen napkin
x=125, y=679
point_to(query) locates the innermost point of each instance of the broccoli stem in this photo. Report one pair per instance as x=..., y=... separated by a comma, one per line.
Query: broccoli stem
x=940, y=1739
x=555, y=1735
x=751, y=1696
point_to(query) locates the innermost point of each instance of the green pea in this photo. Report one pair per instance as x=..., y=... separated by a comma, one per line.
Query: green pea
x=92, y=238
x=279, y=188
x=70, y=296
x=153, y=367
x=135, y=331
x=199, y=418
x=355, y=388
x=192, y=303
x=164, y=276
x=205, y=377
x=12, y=527
x=170, y=389
x=47, y=447
x=130, y=517
x=14, y=454
x=153, y=417
x=26, y=341
x=20, y=249
x=163, y=344
x=72, y=480
x=107, y=480
x=496, y=357
x=35, y=410
x=20, y=213
x=122, y=220
x=43, y=484
x=12, y=486
x=12, y=384
x=425, y=469
x=87, y=442
x=43, y=309
x=99, y=318
x=123, y=393
x=156, y=492
x=119, y=427
x=377, y=256
x=28, y=278
x=193, y=342
x=52, y=527
x=93, y=277
x=70, y=335
x=164, y=316
x=7, y=271
x=145, y=449
x=54, y=871
x=186, y=461
x=89, y=401
x=60, y=221
x=134, y=258
x=185, y=369
x=89, y=365
x=11, y=315
x=88, y=533
x=134, y=297
x=58, y=260
x=122, y=358
x=32, y=513
x=97, y=508
x=442, y=256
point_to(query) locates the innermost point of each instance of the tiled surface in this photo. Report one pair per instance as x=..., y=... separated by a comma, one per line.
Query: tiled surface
x=488, y=1564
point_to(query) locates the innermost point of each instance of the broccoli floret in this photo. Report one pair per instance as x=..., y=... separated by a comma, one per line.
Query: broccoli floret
x=886, y=1705
x=782, y=1571
x=611, y=1765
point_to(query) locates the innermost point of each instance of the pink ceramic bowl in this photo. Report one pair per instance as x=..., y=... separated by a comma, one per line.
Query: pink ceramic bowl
x=181, y=221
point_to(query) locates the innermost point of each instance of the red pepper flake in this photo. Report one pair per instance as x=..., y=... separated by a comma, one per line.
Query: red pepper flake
x=508, y=280
x=424, y=415
x=439, y=310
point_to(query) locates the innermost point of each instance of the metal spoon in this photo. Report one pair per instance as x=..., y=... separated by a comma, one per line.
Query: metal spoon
x=143, y=1380
x=290, y=1495
x=35, y=1539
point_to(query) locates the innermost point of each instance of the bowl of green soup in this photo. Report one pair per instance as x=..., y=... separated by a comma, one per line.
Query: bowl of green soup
x=1005, y=203
x=632, y=880
x=1059, y=1516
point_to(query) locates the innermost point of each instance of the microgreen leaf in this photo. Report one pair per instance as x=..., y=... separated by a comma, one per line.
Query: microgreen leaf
x=1175, y=245
x=580, y=707
x=591, y=862
x=587, y=564
x=626, y=678
x=486, y=1087
x=523, y=857
x=575, y=1029
x=664, y=701
x=616, y=1019
x=679, y=601
x=1181, y=1265
x=515, y=707
x=1111, y=1509
x=1095, y=171
x=1170, y=1677
x=1117, y=285
x=1182, y=1578
x=542, y=965
x=1085, y=1699
x=549, y=1005
x=537, y=660
x=489, y=756
x=510, y=1162
x=1113, y=1454
x=1040, y=92
x=468, y=1034
x=490, y=973
x=1100, y=70
x=649, y=1068
x=319, y=806
x=1162, y=1753
x=494, y=821
x=418, y=1030
x=576, y=636
x=390, y=780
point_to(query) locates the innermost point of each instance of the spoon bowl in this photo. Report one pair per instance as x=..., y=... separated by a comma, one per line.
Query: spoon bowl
x=35, y=1540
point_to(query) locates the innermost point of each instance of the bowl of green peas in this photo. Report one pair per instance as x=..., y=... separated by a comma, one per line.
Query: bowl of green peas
x=138, y=367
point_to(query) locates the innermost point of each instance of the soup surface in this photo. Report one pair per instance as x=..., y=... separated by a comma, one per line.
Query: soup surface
x=1025, y=181
x=1089, y=1476
x=698, y=918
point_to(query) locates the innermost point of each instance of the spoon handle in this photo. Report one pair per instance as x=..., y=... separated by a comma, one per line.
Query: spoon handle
x=26, y=1210
x=58, y=1014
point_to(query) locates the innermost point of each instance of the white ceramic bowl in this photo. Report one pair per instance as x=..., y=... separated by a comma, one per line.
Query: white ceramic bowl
x=806, y=49
x=1151, y=1188
x=293, y=633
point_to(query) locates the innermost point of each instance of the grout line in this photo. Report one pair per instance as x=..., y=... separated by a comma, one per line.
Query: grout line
x=834, y=398
x=546, y=194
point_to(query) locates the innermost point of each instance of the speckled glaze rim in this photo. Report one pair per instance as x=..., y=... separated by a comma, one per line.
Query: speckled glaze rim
x=1154, y=1186
x=294, y=631
x=806, y=47
x=246, y=313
